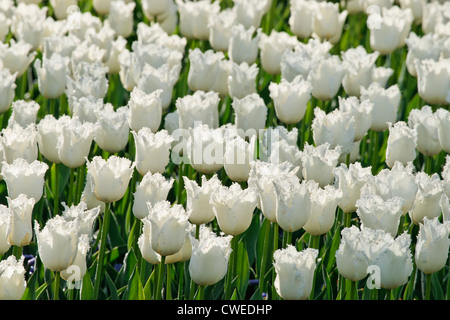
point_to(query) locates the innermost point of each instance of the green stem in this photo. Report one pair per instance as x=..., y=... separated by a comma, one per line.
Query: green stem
x=162, y=266
x=197, y=231
x=17, y=251
x=56, y=191
x=428, y=165
x=264, y=259
x=275, y=248
x=201, y=293
x=428, y=286
x=56, y=288
x=230, y=273
x=348, y=220
x=375, y=146
x=169, y=282
x=79, y=183
x=353, y=294
x=101, y=254
x=71, y=187
x=388, y=294
x=180, y=280
x=314, y=242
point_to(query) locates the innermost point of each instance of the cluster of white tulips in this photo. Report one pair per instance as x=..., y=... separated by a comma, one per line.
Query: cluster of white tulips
x=223, y=118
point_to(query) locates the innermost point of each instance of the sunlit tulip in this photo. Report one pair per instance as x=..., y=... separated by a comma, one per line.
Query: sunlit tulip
x=111, y=177
x=121, y=17
x=385, y=104
x=86, y=108
x=429, y=192
x=294, y=272
x=19, y=142
x=250, y=113
x=443, y=117
x=169, y=227
x=431, y=252
x=16, y=57
x=88, y=195
x=433, y=81
x=319, y=163
x=202, y=107
x=209, y=258
x=78, y=268
x=220, y=25
x=61, y=8
x=446, y=176
x=243, y=46
x=433, y=12
x=381, y=75
x=145, y=110
x=272, y=47
x=324, y=202
x=155, y=34
x=242, y=80
x=25, y=177
x=302, y=14
x=152, y=188
x=23, y=113
x=85, y=217
x=7, y=89
x=19, y=229
x=420, y=48
x=89, y=79
x=327, y=21
x=4, y=221
x=194, y=17
x=57, y=243
x=112, y=61
x=361, y=111
x=233, y=208
x=49, y=128
x=28, y=23
x=249, y=13
x=238, y=156
x=75, y=142
x=111, y=130
x=283, y=151
x=401, y=144
x=426, y=124
x=326, y=77
x=185, y=252
x=350, y=180
x=12, y=278
x=145, y=244
x=290, y=99
x=52, y=74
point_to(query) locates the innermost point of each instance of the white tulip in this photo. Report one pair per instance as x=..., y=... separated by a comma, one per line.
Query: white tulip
x=443, y=117
x=220, y=25
x=272, y=47
x=200, y=107
x=421, y=48
x=426, y=124
x=4, y=221
x=429, y=193
x=28, y=23
x=194, y=17
x=88, y=195
x=238, y=156
x=86, y=108
x=16, y=57
x=242, y=80
x=7, y=88
x=244, y=44
x=89, y=79
x=121, y=17
x=433, y=80
x=23, y=113
x=52, y=75
x=327, y=21
x=19, y=231
x=84, y=216
x=12, y=278
x=111, y=129
x=19, y=142
x=250, y=113
x=361, y=111
x=49, y=129
x=401, y=144
x=145, y=110
x=326, y=77
x=302, y=15
x=79, y=263
x=319, y=162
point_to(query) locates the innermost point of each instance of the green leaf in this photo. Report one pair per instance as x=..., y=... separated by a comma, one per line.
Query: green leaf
x=328, y=286
x=243, y=270
x=86, y=287
x=149, y=286
x=436, y=288
x=112, y=288
x=331, y=258
x=42, y=289
x=135, y=291
x=234, y=295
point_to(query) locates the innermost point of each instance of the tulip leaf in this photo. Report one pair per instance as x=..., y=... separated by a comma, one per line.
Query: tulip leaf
x=87, y=288
x=134, y=291
x=328, y=287
x=112, y=288
x=243, y=270
x=234, y=296
x=149, y=285
x=332, y=250
x=129, y=262
x=436, y=289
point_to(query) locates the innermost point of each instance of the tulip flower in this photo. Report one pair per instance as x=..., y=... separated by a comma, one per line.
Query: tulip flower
x=433, y=81
x=75, y=142
x=78, y=268
x=250, y=13
x=154, y=33
x=4, y=221
x=16, y=57
x=443, y=117
x=200, y=107
x=250, y=113
x=28, y=23
x=85, y=217
x=7, y=88
x=85, y=108
x=282, y=151
x=238, y=156
x=301, y=19
x=381, y=75
x=426, y=203
x=111, y=177
x=294, y=272
x=233, y=208
x=61, y=8
x=88, y=195
x=12, y=278
x=220, y=25
x=52, y=74
x=401, y=144
x=153, y=188
x=361, y=111
x=198, y=199
x=19, y=142
x=209, y=258
x=290, y=99
x=19, y=230
x=194, y=17
x=446, y=176
x=57, y=243
x=272, y=47
x=242, y=80
x=49, y=129
x=270, y=138
x=433, y=12
x=327, y=21
x=350, y=181
x=24, y=113
x=112, y=60
x=326, y=77
x=168, y=227
x=121, y=17
x=319, y=162
x=243, y=46
x=145, y=110
x=324, y=202
x=420, y=48
x=88, y=79
x=432, y=246
x=426, y=124
x=185, y=252
x=385, y=104
x=145, y=245
x=4, y=27
x=111, y=130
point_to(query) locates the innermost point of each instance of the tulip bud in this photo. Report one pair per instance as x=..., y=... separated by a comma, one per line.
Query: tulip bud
x=319, y=162
x=194, y=17
x=401, y=144
x=24, y=113
x=209, y=258
x=336, y=128
x=302, y=14
x=242, y=80
x=324, y=202
x=153, y=188
x=238, y=156
x=426, y=124
x=57, y=243
x=52, y=75
x=111, y=177
x=79, y=263
x=272, y=48
x=145, y=110
x=16, y=57
x=19, y=142
x=111, y=130
x=326, y=77
x=19, y=230
x=12, y=279
x=432, y=246
x=327, y=22
x=24, y=177
x=7, y=88
x=426, y=203
x=152, y=150
x=385, y=104
x=250, y=113
x=233, y=208
x=168, y=227
x=433, y=81
x=243, y=46
x=49, y=130
x=4, y=221
x=200, y=107
x=75, y=142
x=290, y=99
x=294, y=272
x=85, y=217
